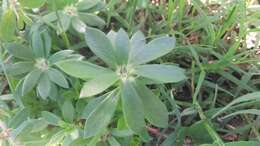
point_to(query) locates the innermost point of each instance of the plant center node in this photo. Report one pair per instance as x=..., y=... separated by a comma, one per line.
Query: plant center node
x=71, y=10
x=42, y=64
x=125, y=72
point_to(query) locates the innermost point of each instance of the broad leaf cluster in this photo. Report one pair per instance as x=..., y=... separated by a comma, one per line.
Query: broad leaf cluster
x=36, y=66
x=125, y=58
x=75, y=14
x=129, y=73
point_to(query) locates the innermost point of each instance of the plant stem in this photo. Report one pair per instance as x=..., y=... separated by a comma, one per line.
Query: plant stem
x=202, y=116
x=63, y=34
x=208, y=126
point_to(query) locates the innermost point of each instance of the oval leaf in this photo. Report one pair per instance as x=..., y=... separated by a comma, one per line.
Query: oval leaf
x=155, y=111
x=44, y=86
x=91, y=106
x=98, y=84
x=8, y=26
x=68, y=111
x=51, y=118
x=30, y=81
x=65, y=21
x=19, y=68
x=20, y=51
x=161, y=73
x=78, y=25
x=101, y=116
x=122, y=46
x=81, y=69
x=59, y=56
x=132, y=108
x=37, y=44
x=57, y=77
x=86, y=4
x=153, y=50
x=100, y=45
x=137, y=41
x=92, y=20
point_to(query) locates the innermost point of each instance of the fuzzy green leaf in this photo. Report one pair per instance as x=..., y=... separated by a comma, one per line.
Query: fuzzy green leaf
x=68, y=111
x=111, y=35
x=19, y=68
x=32, y=3
x=137, y=41
x=78, y=25
x=161, y=73
x=81, y=69
x=100, y=45
x=92, y=104
x=8, y=26
x=59, y=56
x=100, y=117
x=41, y=43
x=65, y=21
x=122, y=46
x=20, y=51
x=18, y=118
x=86, y=4
x=30, y=81
x=98, y=84
x=51, y=118
x=153, y=50
x=132, y=108
x=44, y=86
x=92, y=20
x=57, y=77
x=155, y=111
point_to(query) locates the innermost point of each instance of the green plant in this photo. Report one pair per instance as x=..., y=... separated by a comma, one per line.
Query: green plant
x=190, y=76
x=76, y=14
x=15, y=18
x=37, y=67
x=127, y=58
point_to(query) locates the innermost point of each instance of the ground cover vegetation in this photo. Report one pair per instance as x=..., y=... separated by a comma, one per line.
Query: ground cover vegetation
x=129, y=73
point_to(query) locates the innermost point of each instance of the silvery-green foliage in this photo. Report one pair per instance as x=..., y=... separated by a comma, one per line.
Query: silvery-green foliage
x=126, y=59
